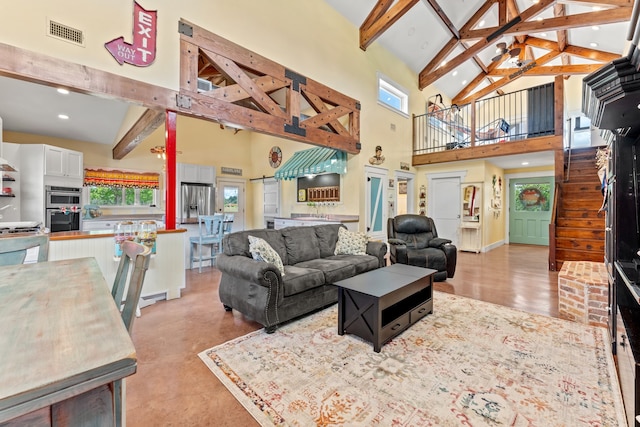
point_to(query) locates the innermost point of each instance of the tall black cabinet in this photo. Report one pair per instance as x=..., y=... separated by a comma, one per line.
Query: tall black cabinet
x=623, y=266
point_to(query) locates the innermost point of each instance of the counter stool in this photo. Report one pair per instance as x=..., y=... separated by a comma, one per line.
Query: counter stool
x=210, y=232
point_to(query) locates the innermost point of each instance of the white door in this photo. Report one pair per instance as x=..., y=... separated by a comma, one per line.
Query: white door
x=443, y=205
x=230, y=200
x=271, y=194
x=375, y=209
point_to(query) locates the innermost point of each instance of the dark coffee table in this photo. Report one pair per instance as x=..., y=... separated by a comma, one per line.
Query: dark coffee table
x=380, y=304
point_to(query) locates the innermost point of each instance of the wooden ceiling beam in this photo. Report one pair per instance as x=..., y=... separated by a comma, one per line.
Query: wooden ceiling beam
x=425, y=78
x=378, y=26
x=593, y=54
x=603, y=2
x=508, y=79
x=376, y=13
x=553, y=70
x=477, y=16
x=495, y=32
x=441, y=55
x=149, y=121
x=611, y=16
x=469, y=88
x=502, y=12
x=558, y=11
x=444, y=18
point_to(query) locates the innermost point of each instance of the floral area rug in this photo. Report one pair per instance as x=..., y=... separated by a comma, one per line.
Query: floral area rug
x=470, y=363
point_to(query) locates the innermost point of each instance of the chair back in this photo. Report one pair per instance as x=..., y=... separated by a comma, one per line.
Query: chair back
x=139, y=256
x=228, y=223
x=21, y=250
x=211, y=226
x=416, y=230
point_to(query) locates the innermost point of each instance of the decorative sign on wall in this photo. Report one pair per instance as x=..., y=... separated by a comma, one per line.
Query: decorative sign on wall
x=231, y=171
x=142, y=52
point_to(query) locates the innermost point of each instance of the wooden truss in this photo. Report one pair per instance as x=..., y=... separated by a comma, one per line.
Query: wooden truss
x=510, y=22
x=242, y=89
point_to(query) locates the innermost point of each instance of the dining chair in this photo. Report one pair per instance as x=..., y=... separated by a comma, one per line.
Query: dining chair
x=210, y=232
x=24, y=249
x=139, y=256
x=228, y=223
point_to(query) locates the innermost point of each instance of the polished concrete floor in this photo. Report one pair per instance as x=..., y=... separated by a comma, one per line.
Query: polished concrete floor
x=173, y=387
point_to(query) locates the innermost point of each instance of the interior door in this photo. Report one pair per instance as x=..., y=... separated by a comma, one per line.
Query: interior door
x=530, y=201
x=231, y=200
x=443, y=205
x=376, y=194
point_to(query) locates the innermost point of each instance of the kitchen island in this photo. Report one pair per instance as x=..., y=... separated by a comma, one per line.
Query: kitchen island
x=297, y=220
x=165, y=277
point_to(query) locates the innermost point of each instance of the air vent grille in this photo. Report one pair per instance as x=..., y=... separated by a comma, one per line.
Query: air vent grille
x=66, y=33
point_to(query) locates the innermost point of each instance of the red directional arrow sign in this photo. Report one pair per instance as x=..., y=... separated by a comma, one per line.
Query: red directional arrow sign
x=142, y=52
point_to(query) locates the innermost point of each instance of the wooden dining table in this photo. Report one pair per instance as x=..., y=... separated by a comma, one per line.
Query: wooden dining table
x=62, y=344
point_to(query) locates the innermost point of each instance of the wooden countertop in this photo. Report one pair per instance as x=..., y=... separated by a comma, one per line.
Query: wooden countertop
x=72, y=235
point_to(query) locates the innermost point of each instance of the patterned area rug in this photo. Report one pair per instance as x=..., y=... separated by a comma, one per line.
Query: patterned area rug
x=470, y=363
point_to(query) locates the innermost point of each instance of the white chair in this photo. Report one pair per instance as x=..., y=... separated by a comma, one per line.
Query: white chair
x=210, y=232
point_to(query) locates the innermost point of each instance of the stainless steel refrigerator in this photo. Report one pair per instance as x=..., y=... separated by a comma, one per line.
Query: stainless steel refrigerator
x=196, y=199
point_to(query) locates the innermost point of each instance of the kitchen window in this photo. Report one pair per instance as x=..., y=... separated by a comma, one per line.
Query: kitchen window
x=118, y=196
x=114, y=188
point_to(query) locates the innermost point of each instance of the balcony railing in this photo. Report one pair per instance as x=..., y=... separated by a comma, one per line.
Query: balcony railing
x=506, y=118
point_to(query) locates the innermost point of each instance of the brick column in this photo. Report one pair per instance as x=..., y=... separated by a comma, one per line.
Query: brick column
x=583, y=292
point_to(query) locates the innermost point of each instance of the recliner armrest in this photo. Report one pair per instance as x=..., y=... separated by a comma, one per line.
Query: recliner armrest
x=438, y=242
x=396, y=242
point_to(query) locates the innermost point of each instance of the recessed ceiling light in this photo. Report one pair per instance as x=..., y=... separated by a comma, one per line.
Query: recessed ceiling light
x=596, y=8
x=543, y=34
x=638, y=106
x=63, y=91
x=464, y=82
x=481, y=24
x=539, y=18
x=595, y=28
x=524, y=163
x=424, y=45
x=593, y=44
x=535, y=1
x=412, y=31
x=63, y=117
x=443, y=63
x=455, y=73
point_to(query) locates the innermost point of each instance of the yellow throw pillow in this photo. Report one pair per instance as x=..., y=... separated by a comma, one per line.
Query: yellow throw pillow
x=350, y=243
x=262, y=251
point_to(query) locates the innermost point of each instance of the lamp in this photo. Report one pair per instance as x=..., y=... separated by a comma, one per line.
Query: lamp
x=161, y=151
x=4, y=164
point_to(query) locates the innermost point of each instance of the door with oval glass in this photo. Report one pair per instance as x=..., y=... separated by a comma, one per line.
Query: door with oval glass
x=231, y=200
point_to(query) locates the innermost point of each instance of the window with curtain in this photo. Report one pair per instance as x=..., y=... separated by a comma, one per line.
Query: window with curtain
x=111, y=188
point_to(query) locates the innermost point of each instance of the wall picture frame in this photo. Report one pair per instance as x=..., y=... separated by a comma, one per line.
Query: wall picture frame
x=302, y=195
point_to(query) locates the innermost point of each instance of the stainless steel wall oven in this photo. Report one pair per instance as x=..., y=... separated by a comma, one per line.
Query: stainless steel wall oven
x=63, y=208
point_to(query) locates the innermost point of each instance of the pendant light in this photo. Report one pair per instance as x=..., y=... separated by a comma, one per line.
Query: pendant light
x=4, y=165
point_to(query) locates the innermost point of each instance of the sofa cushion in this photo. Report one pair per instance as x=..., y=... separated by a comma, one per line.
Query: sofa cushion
x=262, y=251
x=301, y=243
x=333, y=269
x=238, y=243
x=327, y=238
x=300, y=279
x=350, y=243
x=361, y=263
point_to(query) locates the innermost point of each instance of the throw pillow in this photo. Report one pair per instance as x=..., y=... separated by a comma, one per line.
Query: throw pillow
x=262, y=251
x=350, y=243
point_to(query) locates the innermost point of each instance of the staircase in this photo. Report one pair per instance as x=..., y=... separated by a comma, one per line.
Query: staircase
x=579, y=226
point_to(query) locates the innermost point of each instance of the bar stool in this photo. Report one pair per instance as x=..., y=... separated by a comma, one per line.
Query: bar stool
x=210, y=232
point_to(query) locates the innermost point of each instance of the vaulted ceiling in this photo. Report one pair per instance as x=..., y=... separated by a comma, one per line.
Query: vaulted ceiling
x=452, y=44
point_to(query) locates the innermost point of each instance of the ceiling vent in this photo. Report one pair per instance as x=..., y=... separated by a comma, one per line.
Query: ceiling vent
x=64, y=32
x=204, y=85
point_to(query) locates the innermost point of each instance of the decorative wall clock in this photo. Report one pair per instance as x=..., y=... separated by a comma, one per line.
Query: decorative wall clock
x=275, y=156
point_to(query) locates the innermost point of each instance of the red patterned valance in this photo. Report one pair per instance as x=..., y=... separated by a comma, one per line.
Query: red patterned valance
x=116, y=178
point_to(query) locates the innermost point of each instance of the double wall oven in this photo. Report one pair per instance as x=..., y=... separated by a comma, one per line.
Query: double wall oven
x=63, y=208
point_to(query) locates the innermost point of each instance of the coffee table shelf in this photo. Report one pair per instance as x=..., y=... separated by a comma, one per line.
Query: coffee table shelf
x=380, y=304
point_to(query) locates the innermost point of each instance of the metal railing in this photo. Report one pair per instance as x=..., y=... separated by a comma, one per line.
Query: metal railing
x=506, y=118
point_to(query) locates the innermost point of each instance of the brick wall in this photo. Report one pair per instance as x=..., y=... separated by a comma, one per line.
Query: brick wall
x=583, y=292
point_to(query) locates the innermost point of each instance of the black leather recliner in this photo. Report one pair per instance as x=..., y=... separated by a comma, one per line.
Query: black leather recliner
x=413, y=240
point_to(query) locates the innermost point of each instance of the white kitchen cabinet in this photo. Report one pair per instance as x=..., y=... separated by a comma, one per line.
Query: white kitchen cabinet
x=200, y=174
x=93, y=225
x=62, y=162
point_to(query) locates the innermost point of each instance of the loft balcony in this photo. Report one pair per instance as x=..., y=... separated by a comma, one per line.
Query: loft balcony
x=521, y=122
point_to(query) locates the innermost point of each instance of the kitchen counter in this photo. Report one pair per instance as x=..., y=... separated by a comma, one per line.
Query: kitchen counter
x=350, y=221
x=326, y=218
x=124, y=217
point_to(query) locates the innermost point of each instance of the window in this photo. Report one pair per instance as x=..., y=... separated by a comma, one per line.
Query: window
x=118, y=196
x=392, y=95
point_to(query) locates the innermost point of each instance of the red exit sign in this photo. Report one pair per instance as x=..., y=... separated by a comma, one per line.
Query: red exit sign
x=142, y=52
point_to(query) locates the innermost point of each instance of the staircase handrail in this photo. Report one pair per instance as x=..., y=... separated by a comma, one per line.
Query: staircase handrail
x=552, y=227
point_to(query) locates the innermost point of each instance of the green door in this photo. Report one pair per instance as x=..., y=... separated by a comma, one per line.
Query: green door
x=530, y=202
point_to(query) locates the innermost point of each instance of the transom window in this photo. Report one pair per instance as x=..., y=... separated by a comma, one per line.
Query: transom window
x=392, y=95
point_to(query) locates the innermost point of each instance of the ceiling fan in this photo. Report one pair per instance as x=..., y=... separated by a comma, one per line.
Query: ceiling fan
x=501, y=50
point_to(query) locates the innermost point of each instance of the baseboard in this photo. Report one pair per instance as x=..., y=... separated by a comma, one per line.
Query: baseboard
x=493, y=246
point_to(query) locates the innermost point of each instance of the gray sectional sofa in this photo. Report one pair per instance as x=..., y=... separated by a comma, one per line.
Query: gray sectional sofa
x=259, y=291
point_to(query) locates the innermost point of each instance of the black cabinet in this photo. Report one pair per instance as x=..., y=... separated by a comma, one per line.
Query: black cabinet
x=623, y=265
